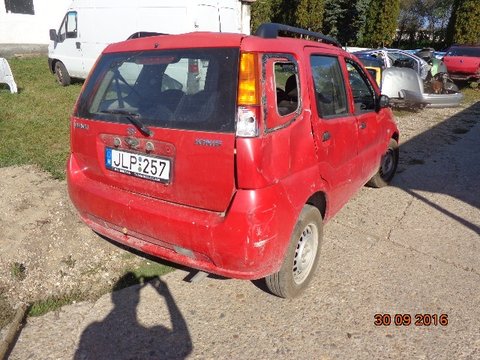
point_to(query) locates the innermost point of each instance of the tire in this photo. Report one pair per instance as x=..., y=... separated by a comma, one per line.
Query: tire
x=302, y=256
x=388, y=166
x=63, y=77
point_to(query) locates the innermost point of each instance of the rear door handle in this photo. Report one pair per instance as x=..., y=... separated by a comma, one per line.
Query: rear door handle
x=326, y=136
x=78, y=44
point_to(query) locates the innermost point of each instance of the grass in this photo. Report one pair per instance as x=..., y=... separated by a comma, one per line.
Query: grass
x=18, y=271
x=470, y=95
x=34, y=124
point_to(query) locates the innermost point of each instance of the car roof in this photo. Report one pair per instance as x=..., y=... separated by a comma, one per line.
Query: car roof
x=215, y=39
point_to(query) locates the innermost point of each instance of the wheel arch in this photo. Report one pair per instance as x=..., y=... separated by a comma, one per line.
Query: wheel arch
x=319, y=200
x=396, y=136
x=52, y=63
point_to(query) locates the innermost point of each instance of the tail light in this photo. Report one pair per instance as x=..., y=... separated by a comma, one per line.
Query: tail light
x=248, y=99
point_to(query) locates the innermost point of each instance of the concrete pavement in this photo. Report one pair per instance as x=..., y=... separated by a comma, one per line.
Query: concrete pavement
x=412, y=248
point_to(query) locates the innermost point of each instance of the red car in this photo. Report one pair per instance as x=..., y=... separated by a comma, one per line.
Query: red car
x=225, y=152
x=463, y=62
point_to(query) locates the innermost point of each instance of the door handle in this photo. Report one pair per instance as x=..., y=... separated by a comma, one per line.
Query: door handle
x=363, y=125
x=78, y=44
x=326, y=136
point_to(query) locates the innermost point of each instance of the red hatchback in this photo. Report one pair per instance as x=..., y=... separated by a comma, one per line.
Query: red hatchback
x=463, y=62
x=227, y=152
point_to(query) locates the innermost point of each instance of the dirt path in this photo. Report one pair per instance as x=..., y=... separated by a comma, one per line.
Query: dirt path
x=46, y=250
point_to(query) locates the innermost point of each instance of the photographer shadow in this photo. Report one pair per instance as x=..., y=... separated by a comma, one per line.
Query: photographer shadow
x=121, y=336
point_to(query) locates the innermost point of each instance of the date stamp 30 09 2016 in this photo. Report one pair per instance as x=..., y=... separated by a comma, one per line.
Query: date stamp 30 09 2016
x=407, y=319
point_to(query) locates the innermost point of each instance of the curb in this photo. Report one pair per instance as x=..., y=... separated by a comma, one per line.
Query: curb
x=14, y=329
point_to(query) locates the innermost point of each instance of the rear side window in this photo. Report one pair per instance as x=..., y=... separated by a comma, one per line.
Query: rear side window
x=330, y=91
x=286, y=86
x=181, y=89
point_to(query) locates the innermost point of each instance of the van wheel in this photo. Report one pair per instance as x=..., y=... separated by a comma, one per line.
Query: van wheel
x=388, y=167
x=61, y=73
x=302, y=256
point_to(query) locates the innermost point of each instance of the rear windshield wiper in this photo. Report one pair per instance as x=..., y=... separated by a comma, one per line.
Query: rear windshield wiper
x=134, y=118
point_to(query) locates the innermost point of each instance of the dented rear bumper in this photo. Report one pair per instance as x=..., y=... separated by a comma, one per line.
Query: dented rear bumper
x=246, y=242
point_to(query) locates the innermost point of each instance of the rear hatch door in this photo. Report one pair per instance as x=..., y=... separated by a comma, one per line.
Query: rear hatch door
x=161, y=124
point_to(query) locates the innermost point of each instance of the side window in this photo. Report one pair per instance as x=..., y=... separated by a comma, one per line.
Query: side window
x=330, y=91
x=286, y=85
x=71, y=24
x=282, y=90
x=362, y=90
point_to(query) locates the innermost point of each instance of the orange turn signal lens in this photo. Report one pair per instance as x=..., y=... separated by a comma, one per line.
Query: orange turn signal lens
x=248, y=93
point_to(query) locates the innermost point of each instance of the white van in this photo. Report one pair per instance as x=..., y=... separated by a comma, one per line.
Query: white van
x=90, y=25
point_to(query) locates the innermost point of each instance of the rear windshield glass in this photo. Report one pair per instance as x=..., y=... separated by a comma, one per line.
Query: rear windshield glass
x=181, y=89
x=464, y=51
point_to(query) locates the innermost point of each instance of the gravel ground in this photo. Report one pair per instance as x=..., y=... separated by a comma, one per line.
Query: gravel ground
x=47, y=251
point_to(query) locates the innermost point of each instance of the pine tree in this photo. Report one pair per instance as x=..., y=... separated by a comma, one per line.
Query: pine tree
x=333, y=17
x=381, y=23
x=309, y=14
x=464, y=24
x=261, y=12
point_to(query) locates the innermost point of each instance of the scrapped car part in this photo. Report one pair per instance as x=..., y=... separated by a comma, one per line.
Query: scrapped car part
x=396, y=57
x=405, y=89
x=6, y=76
x=196, y=148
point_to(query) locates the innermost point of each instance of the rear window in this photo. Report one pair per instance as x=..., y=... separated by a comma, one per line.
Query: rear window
x=181, y=89
x=464, y=51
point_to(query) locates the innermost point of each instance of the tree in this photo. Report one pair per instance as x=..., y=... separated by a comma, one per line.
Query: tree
x=464, y=24
x=381, y=23
x=409, y=23
x=309, y=14
x=345, y=19
x=261, y=12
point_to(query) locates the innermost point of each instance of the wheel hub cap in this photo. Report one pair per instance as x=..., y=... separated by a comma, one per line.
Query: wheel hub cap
x=305, y=253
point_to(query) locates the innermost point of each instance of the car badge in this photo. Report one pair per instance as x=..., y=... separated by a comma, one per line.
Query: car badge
x=131, y=131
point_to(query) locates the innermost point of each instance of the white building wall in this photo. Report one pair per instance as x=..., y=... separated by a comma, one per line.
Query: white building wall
x=31, y=29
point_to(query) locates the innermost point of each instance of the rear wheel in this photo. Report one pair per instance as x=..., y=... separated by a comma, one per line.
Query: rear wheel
x=61, y=73
x=388, y=167
x=302, y=256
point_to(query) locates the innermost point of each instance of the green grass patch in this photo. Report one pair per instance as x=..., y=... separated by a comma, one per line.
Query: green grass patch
x=53, y=303
x=471, y=95
x=18, y=271
x=34, y=124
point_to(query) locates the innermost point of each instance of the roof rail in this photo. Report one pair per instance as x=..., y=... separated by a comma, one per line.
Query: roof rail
x=271, y=31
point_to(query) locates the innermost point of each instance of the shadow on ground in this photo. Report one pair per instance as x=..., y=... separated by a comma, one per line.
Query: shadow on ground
x=121, y=336
x=450, y=170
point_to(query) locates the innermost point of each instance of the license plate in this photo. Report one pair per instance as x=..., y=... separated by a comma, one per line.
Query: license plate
x=139, y=165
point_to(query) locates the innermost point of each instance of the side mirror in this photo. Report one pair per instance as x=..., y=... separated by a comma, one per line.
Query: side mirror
x=53, y=35
x=382, y=102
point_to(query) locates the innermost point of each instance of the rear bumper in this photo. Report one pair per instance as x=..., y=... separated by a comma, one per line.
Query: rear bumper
x=431, y=100
x=246, y=242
